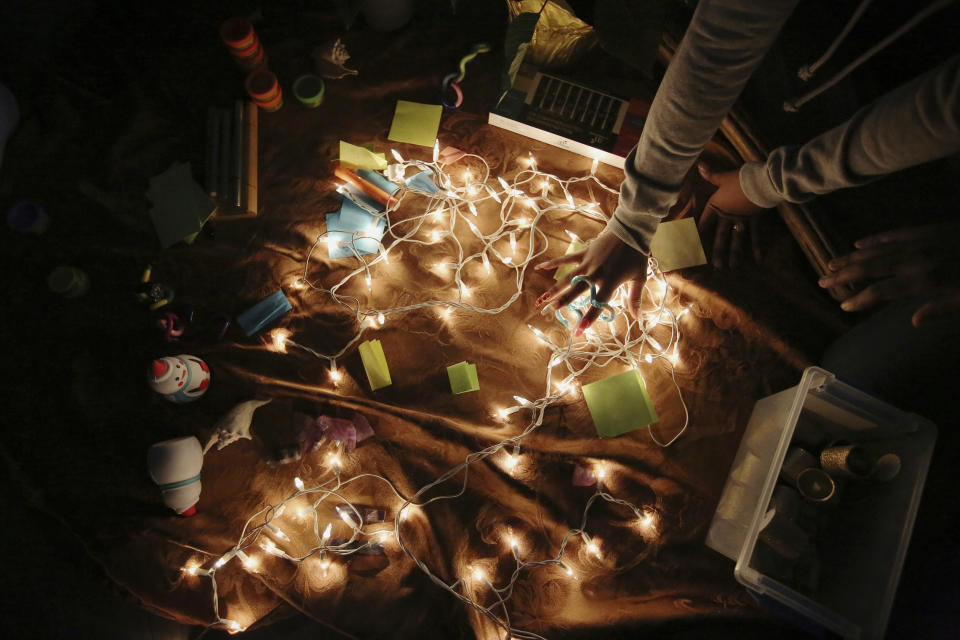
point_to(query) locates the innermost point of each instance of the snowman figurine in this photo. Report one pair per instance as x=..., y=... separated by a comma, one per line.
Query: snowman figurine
x=182, y=378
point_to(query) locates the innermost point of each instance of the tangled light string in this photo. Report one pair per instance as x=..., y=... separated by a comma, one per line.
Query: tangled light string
x=523, y=203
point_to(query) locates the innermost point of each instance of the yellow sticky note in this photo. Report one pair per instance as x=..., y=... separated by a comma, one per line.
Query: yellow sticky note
x=375, y=364
x=415, y=123
x=564, y=270
x=676, y=245
x=361, y=158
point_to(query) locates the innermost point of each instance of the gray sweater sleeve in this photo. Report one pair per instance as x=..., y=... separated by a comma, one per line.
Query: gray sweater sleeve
x=918, y=122
x=724, y=44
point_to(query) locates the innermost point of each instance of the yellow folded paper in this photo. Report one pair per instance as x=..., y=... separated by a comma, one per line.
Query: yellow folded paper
x=361, y=158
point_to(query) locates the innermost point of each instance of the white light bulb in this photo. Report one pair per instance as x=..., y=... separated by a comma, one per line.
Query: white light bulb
x=396, y=155
x=221, y=561
x=569, y=199
x=347, y=517
x=331, y=242
x=494, y=195
x=369, y=282
x=593, y=548
x=479, y=575
x=472, y=208
x=435, y=236
x=334, y=460
x=298, y=483
x=513, y=242
x=436, y=149
x=473, y=228
x=522, y=401
x=593, y=167
x=278, y=339
x=486, y=262
x=335, y=375
x=326, y=534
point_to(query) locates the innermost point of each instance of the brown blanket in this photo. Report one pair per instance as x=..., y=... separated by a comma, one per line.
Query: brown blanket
x=94, y=480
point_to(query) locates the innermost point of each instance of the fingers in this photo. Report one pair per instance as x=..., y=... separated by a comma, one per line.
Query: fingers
x=634, y=296
x=721, y=243
x=906, y=234
x=756, y=239
x=706, y=172
x=562, y=294
x=738, y=232
x=938, y=309
x=570, y=258
x=707, y=224
x=603, y=296
x=887, y=289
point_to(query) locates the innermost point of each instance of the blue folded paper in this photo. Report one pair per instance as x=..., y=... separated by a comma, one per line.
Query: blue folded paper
x=263, y=313
x=423, y=182
x=353, y=218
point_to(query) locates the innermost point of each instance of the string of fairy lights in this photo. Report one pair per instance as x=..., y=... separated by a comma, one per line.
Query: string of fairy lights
x=450, y=220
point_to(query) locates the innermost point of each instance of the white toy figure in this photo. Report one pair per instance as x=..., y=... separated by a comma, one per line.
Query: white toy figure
x=182, y=378
x=175, y=466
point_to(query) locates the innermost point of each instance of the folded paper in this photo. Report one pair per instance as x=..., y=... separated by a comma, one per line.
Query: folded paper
x=375, y=364
x=423, y=182
x=263, y=313
x=415, y=123
x=361, y=158
x=180, y=205
x=378, y=180
x=565, y=269
x=463, y=377
x=619, y=404
x=676, y=245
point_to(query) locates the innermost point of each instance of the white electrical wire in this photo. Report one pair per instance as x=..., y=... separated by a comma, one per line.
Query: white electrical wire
x=625, y=340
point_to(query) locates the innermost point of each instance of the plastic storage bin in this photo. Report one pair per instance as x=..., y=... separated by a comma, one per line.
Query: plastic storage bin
x=846, y=578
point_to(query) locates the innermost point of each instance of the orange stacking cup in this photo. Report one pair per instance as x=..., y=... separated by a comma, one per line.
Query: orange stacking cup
x=264, y=90
x=243, y=43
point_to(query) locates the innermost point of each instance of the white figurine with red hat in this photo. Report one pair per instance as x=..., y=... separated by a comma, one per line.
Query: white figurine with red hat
x=182, y=378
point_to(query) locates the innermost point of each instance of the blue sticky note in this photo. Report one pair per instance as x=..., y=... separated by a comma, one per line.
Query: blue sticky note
x=263, y=313
x=378, y=180
x=354, y=218
x=344, y=234
x=423, y=182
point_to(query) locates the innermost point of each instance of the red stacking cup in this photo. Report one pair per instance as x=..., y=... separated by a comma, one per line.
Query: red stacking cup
x=264, y=90
x=243, y=43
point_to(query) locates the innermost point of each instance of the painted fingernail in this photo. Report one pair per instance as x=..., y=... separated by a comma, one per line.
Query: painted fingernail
x=541, y=266
x=581, y=328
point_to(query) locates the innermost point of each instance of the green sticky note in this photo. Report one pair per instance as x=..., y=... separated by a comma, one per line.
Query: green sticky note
x=361, y=158
x=375, y=364
x=565, y=269
x=676, y=245
x=463, y=377
x=619, y=404
x=415, y=123
x=180, y=205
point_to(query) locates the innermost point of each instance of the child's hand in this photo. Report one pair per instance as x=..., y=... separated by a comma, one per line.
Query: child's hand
x=904, y=263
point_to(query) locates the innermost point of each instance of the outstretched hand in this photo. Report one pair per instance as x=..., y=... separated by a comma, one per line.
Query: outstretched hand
x=730, y=217
x=608, y=262
x=915, y=261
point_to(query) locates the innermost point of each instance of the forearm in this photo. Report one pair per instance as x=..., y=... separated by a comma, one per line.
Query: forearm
x=724, y=44
x=916, y=123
